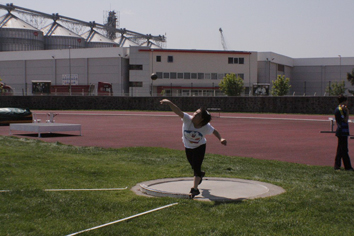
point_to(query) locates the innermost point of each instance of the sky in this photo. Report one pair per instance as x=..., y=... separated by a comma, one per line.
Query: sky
x=294, y=28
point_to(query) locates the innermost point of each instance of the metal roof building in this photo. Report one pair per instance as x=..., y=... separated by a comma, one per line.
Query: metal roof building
x=17, y=35
x=58, y=37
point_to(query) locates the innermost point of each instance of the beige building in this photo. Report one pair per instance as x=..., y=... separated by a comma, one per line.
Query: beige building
x=188, y=72
x=180, y=72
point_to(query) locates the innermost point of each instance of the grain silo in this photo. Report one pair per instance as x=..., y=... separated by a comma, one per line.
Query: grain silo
x=17, y=35
x=97, y=40
x=58, y=37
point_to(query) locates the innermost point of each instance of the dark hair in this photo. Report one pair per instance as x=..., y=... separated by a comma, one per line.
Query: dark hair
x=342, y=98
x=205, y=116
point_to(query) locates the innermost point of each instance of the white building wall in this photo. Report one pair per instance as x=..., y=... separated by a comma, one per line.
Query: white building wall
x=18, y=69
x=200, y=63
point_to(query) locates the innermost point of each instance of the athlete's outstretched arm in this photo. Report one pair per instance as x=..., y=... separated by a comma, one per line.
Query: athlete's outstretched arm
x=222, y=141
x=173, y=107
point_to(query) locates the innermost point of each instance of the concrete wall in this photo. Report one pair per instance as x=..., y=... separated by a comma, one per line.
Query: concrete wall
x=303, y=105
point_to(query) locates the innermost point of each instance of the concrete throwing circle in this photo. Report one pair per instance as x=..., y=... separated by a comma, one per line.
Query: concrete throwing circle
x=211, y=189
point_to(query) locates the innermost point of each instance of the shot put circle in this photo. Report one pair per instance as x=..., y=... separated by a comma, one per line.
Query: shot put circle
x=211, y=189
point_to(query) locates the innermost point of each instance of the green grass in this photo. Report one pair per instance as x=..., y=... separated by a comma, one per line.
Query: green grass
x=318, y=200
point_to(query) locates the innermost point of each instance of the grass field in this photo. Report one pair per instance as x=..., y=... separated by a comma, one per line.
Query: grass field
x=318, y=200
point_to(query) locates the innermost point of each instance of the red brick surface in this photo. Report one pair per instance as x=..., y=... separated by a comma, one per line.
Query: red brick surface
x=290, y=138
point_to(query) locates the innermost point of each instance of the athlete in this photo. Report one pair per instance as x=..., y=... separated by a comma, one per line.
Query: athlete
x=194, y=129
x=342, y=116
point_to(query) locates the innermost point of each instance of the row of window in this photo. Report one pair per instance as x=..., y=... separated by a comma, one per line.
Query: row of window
x=193, y=92
x=236, y=60
x=231, y=60
x=188, y=75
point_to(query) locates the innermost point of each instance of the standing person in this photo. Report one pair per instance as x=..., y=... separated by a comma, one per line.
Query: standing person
x=342, y=116
x=194, y=129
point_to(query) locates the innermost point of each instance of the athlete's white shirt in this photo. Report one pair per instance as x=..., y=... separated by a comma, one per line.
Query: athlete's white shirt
x=194, y=137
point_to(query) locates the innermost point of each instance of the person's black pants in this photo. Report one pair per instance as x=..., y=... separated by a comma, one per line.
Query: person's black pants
x=342, y=153
x=195, y=158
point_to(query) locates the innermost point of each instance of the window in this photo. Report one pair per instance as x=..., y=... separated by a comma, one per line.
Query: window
x=170, y=59
x=242, y=76
x=158, y=58
x=200, y=75
x=220, y=76
x=214, y=76
x=207, y=76
x=135, y=67
x=136, y=84
x=173, y=75
x=168, y=92
x=193, y=75
x=236, y=60
x=159, y=75
x=281, y=68
x=187, y=75
x=166, y=75
x=185, y=92
x=196, y=92
x=180, y=75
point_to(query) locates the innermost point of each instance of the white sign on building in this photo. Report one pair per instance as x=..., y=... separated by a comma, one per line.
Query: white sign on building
x=67, y=81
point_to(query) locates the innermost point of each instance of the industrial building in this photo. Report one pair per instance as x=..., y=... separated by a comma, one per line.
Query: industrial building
x=57, y=55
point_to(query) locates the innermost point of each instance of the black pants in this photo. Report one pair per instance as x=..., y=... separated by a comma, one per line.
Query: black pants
x=342, y=153
x=195, y=158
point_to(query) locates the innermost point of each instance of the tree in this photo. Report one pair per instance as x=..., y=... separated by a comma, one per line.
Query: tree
x=232, y=85
x=336, y=88
x=350, y=78
x=281, y=86
x=1, y=86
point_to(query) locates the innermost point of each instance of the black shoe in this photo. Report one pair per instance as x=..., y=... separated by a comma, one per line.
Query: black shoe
x=194, y=192
x=351, y=169
x=201, y=177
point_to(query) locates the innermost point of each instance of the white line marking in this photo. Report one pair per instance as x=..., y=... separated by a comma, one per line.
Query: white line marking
x=161, y=115
x=127, y=218
x=97, y=189
x=88, y=189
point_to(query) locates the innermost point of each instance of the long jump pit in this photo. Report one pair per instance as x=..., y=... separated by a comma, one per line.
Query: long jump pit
x=211, y=189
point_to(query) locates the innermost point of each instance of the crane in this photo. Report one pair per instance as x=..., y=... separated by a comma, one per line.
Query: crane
x=223, y=43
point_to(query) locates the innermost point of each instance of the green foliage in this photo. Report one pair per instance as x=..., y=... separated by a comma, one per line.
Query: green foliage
x=1, y=86
x=281, y=86
x=29, y=166
x=336, y=88
x=350, y=78
x=232, y=85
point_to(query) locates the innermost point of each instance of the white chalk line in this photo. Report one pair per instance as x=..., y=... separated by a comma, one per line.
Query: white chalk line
x=71, y=190
x=167, y=115
x=124, y=219
x=97, y=189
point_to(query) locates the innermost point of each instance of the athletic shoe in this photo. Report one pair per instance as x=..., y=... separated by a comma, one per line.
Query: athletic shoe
x=194, y=192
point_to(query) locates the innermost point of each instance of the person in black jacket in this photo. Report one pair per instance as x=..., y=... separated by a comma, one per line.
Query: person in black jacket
x=342, y=116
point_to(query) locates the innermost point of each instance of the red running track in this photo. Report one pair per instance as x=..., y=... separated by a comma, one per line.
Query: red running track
x=283, y=137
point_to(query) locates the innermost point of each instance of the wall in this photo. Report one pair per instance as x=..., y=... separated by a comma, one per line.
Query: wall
x=204, y=62
x=303, y=105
